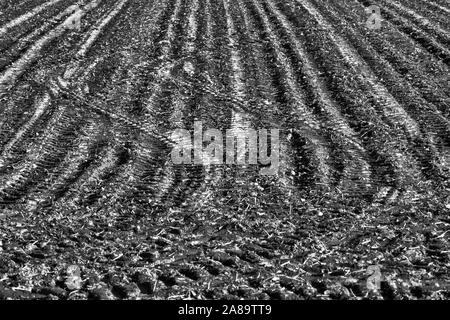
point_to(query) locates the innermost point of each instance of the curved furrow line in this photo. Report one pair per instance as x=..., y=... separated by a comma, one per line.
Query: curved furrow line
x=185, y=106
x=239, y=120
x=56, y=144
x=87, y=188
x=128, y=176
x=363, y=100
x=104, y=175
x=393, y=110
x=201, y=105
x=10, y=76
x=442, y=3
x=44, y=114
x=442, y=36
x=436, y=5
x=303, y=122
x=439, y=13
x=356, y=170
x=18, y=67
x=42, y=104
x=100, y=27
x=90, y=188
x=17, y=111
x=125, y=133
x=137, y=177
x=15, y=43
x=192, y=29
x=161, y=61
x=41, y=108
x=47, y=152
x=162, y=57
x=93, y=36
x=436, y=49
x=264, y=81
x=407, y=62
x=420, y=110
x=27, y=16
x=261, y=83
x=49, y=140
x=75, y=163
x=24, y=122
x=88, y=144
x=227, y=108
x=10, y=8
x=113, y=111
x=257, y=102
x=156, y=175
x=231, y=75
x=97, y=107
x=186, y=179
x=110, y=173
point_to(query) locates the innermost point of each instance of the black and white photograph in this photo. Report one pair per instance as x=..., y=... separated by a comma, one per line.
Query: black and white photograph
x=244, y=151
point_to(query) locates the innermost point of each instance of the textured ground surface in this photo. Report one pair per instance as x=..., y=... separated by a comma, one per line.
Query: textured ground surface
x=86, y=180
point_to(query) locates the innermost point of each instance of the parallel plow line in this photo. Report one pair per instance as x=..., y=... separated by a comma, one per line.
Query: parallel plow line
x=375, y=96
x=25, y=17
x=423, y=38
x=356, y=170
x=49, y=142
x=377, y=133
x=420, y=110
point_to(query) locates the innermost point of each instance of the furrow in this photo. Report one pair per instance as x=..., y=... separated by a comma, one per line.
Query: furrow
x=17, y=68
x=432, y=123
x=27, y=16
x=385, y=108
x=356, y=169
x=304, y=123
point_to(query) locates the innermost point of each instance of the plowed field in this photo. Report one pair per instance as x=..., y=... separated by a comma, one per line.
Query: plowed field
x=86, y=177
